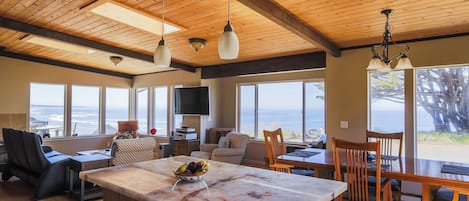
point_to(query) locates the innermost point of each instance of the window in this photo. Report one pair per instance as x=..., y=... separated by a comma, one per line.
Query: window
x=47, y=109
x=386, y=101
x=160, y=108
x=142, y=110
x=296, y=107
x=442, y=111
x=117, y=108
x=85, y=110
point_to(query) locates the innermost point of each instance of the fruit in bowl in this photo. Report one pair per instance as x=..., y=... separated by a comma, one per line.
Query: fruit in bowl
x=192, y=171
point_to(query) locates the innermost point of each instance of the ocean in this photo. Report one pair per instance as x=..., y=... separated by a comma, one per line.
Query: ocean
x=85, y=119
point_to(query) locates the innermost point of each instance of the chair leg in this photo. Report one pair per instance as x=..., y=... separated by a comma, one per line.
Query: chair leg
x=455, y=196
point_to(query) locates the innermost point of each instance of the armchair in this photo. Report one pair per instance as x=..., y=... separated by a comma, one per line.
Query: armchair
x=28, y=161
x=234, y=154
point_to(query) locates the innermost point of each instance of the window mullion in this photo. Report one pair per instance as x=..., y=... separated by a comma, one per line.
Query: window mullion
x=68, y=111
x=102, y=111
x=256, y=109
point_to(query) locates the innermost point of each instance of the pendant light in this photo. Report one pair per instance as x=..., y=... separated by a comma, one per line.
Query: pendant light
x=162, y=56
x=228, y=43
x=382, y=62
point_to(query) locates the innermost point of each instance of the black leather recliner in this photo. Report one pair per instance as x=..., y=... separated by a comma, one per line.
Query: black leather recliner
x=28, y=161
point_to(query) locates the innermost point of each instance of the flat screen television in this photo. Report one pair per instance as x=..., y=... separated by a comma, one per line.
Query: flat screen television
x=191, y=100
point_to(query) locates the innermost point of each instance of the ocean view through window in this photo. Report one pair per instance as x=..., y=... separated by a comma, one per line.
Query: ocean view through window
x=142, y=110
x=297, y=107
x=117, y=108
x=85, y=110
x=160, y=110
x=46, y=109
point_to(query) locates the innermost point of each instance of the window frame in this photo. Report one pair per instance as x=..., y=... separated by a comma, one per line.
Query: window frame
x=256, y=104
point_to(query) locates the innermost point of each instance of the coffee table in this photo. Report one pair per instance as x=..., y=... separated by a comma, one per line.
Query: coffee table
x=87, y=162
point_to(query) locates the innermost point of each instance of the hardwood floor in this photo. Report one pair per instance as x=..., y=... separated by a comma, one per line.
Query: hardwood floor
x=16, y=190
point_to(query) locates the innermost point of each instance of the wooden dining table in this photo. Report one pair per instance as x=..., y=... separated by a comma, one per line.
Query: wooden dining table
x=426, y=172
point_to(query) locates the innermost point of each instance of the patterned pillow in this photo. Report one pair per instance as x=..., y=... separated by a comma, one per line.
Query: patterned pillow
x=224, y=142
x=124, y=135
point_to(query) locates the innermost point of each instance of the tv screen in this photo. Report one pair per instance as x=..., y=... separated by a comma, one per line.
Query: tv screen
x=191, y=100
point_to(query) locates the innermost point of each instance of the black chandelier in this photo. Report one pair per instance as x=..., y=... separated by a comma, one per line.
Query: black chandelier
x=382, y=62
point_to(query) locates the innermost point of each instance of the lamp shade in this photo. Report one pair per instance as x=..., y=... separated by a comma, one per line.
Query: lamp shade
x=162, y=56
x=375, y=64
x=228, y=44
x=384, y=68
x=403, y=63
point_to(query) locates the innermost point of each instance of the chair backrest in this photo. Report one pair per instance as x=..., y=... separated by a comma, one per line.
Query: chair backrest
x=131, y=125
x=24, y=150
x=125, y=151
x=274, y=144
x=391, y=143
x=356, y=167
x=238, y=140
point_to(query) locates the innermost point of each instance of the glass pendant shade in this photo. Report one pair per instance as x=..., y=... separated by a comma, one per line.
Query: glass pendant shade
x=403, y=63
x=162, y=56
x=384, y=67
x=228, y=44
x=375, y=64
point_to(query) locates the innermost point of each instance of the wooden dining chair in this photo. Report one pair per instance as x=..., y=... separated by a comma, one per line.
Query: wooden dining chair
x=275, y=146
x=452, y=194
x=391, y=145
x=356, y=170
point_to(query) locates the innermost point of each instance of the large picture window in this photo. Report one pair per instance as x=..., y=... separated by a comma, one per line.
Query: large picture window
x=142, y=110
x=160, y=110
x=47, y=109
x=85, y=110
x=386, y=101
x=442, y=113
x=296, y=107
x=117, y=108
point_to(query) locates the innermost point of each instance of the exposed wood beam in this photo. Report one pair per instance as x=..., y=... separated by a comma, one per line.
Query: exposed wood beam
x=289, y=21
x=41, y=31
x=276, y=64
x=63, y=64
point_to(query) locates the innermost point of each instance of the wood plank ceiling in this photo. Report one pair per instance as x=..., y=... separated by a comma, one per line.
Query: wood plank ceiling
x=345, y=23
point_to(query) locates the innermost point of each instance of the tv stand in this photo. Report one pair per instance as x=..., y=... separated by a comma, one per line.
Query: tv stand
x=185, y=147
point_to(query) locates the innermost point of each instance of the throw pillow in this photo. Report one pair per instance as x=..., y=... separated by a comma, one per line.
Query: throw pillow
x=224, y=142
x=124, y=135
x=220, y=134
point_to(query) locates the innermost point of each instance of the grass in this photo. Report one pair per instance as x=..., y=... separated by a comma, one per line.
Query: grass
x=443, y=137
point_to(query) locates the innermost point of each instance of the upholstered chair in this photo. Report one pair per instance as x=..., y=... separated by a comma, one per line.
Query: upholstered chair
x=125, y=151
x=230, y=152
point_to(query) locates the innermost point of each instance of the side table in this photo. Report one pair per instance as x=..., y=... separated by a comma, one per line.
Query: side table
x=87, y=162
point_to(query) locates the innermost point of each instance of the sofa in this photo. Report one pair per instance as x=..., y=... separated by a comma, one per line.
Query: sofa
x=28, y=160
x=233, y=153
x=125, y=151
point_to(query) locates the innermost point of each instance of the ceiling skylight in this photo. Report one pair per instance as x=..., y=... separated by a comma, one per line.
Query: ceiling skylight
x=130, y=16
x=57, y=44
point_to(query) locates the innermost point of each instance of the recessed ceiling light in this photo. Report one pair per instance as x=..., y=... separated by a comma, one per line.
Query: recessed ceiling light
x=57, y=44
x=130, y=16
